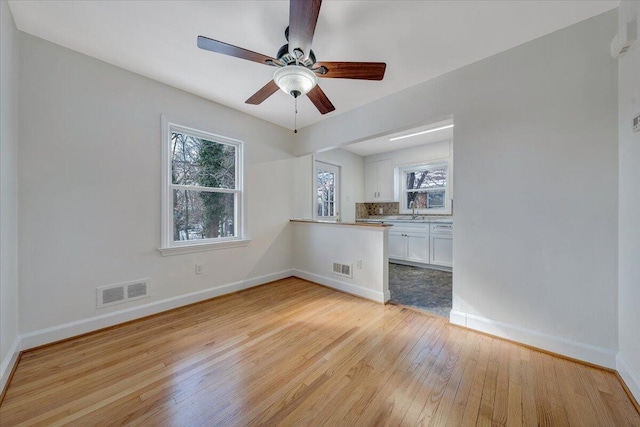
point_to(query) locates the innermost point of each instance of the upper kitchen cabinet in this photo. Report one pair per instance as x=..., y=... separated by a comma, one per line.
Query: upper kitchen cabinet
x=379, y=181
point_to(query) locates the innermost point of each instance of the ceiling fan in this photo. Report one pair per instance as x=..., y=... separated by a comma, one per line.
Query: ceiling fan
x=297, y=70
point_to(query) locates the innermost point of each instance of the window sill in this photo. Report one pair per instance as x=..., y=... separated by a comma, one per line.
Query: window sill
x=202, y=247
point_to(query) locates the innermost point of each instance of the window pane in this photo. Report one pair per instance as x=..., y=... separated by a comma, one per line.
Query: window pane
x=197, y=161
x=418, y=198
x=326, y=193
x=425, y=199
x=201, y=215
x=435, y=199
x=432, y=178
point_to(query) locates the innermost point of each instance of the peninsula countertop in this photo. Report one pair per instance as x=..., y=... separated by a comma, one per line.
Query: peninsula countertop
x=376, y=224
x=391, y=219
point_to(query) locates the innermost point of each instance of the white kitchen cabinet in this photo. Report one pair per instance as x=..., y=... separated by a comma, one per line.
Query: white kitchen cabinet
x=409, y=242
x=423, y=243
x=378, y=179
x=417, y=247
x=441, y=244
x=397, y=245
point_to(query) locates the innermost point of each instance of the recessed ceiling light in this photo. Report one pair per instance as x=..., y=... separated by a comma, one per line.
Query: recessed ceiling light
x=395, y=138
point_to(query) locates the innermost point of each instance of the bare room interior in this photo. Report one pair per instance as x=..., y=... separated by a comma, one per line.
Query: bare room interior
x=320, y=213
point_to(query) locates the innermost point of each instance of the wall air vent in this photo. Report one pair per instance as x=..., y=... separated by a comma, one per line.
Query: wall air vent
x=342, y=269
x=121, y=293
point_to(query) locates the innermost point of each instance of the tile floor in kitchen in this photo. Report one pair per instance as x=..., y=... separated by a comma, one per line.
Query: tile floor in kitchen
x=422, y=288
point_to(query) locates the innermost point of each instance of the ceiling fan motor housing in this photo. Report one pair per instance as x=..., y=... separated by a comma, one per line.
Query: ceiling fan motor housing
x=286, y=58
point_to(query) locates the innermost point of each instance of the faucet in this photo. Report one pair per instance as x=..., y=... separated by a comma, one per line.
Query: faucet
x=412, y=206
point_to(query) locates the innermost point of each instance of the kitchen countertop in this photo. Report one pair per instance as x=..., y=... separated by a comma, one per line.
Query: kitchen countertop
x=382, y=219
x=360, y=223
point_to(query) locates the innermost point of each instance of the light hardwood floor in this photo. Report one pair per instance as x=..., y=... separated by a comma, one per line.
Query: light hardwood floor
x=295, y=353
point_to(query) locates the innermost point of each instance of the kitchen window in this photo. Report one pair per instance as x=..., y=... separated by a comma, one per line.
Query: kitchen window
x=425, y=189
x=202, y=190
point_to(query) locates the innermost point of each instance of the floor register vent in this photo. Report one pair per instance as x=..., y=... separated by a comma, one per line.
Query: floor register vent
x=121, y=293
x=342, y=269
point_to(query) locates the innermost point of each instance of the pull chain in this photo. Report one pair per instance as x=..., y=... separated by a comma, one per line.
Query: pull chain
x=295, y=98
x=295, y=116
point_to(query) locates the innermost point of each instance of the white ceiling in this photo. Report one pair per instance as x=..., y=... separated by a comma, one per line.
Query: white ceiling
x=418, y=40
x=383, y=144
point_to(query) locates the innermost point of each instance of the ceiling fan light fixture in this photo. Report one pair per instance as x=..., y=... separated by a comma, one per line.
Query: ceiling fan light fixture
x=295, y=80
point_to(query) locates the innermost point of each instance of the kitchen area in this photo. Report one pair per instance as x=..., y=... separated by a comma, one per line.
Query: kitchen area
x=409, y=189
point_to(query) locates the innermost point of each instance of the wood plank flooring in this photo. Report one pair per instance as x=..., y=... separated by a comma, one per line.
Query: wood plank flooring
x=295, y=353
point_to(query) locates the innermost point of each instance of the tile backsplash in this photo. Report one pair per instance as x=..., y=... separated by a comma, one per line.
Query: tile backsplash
x=365, y=210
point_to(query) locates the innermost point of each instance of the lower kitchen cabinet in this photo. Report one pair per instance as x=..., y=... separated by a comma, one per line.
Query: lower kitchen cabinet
x=441, y=244
x=422, y=243
x=441, y=250
x=397, y=246
x=417, y=247
x=409, y=242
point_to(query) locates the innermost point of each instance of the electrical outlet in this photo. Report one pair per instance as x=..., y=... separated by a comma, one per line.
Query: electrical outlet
x=636, y=123
x=198, y=268
x=359, y=264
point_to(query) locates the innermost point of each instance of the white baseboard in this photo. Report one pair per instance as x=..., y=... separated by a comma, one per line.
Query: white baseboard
x=577, y=350
x=9, y=362
x=630, y=378
x=458, y=318
x=67, y=330
x=349, y=288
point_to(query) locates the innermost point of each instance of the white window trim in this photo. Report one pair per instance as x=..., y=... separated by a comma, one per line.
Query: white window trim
x=170, y=247
x=401, y=182
x=338, y=190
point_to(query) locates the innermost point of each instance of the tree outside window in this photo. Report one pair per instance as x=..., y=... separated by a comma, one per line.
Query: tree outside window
x=201, y=170
x=424, y=188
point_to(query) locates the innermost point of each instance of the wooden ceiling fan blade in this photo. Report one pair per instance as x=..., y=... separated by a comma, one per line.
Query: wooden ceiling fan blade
x=303, y=16
x=352, y=70
x=320, y=100
x=262, y=94
x=231, y=50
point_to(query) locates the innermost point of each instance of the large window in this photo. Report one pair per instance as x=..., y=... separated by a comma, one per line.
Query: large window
x=424, y=188
x=202, y=192
x=327, y=179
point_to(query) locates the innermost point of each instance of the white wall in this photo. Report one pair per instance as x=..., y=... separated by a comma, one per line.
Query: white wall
x=8, y=192
x=629, y=211
x=536, y=168
x=302, y=199
x=90, y=148
x=320, y=245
